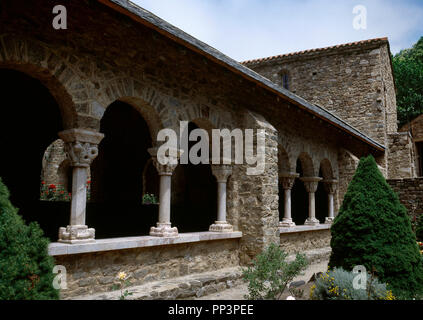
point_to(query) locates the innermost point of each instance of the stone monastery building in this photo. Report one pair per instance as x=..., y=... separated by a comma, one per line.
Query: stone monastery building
x=82, y=108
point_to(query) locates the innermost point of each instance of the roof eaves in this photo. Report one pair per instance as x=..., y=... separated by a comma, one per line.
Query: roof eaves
x=165, y=28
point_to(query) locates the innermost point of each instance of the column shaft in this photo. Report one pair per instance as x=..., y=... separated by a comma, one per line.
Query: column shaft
x=79, y=196
x=221, y=201
x=164, y=199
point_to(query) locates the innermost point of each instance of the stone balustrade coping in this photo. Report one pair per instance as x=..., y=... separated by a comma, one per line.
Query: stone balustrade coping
x=57, y=249
x=304, y=228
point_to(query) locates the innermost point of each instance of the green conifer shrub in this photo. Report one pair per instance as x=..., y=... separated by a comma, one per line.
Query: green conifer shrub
x=25, y=266
x=374, y=230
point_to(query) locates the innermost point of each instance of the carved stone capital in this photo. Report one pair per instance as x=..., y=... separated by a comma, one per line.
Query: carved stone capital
x=330, y=186
x=311, y=183
x=163, y=230
x=221, y=172
x=81, y=146
x=76, y=234
x=329, y=220
x=221, y=226
x=165, y=167
x=287, y=179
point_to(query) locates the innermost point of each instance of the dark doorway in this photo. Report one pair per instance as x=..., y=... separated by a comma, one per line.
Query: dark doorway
x=321, y=198
x=194, y=195
x=116, y=208
x=30, y=121
x=419, y=147
x=299, y=198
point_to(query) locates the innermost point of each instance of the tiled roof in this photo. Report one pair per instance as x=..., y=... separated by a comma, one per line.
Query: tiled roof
x=317, y=50
x=152, y=21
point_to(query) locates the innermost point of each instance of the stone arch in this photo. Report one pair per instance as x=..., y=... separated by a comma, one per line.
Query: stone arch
x=53, y=71
x=155, y=108
x=207, y=118
x=284, y=165
x=306, y=164
x=326, y=169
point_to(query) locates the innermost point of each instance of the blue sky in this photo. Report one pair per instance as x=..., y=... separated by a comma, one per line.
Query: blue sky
x=248, y=29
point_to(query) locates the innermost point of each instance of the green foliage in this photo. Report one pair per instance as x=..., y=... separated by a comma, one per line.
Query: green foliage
x=374, y=230
x=270, y=273
x=408, y=71
x=25, y=266
x=338, y=284
x=149, y=198
x=419, y=228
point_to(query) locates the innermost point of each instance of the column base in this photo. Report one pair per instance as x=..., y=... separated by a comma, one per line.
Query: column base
x=287, y=222
x=76, y=234
x=329, y=220
x=163, y=230
x=311, y=222
x=221, y=226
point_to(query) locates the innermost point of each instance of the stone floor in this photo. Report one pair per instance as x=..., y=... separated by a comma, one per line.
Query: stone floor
x=223, y=284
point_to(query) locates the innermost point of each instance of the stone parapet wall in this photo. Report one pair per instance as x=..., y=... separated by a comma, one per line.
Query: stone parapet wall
x=410, y=193
x=306, y=240
x=95, y=272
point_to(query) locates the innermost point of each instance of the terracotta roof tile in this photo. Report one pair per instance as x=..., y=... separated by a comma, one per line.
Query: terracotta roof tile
x=339, y=46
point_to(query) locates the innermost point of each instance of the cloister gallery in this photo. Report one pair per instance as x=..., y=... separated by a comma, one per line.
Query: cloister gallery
x=80, y=118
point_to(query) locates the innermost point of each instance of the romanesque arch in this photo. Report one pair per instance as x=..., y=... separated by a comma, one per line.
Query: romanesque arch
x=117, y=174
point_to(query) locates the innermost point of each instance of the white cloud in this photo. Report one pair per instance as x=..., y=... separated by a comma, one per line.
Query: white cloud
x=247, y=29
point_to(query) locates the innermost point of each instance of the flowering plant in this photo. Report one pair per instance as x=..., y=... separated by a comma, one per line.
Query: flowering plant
x=123, y=281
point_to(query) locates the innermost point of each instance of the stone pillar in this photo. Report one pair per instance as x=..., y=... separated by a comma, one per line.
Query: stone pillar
x=165, y=171
x=81, y=147
x=222, y=173
x=287, y=179
x=311, y=184
x=330, y=186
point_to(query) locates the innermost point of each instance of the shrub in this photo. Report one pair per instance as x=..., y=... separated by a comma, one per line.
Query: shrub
x=374, y=230
x=419, y=228
x=337, y=284
x=149, y=198
x=25, y=266
x=270, y=273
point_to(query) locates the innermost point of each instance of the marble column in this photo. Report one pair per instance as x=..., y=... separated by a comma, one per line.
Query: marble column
x=287, y=179
x=330, y=186
x=222, y=173
x=164, y=227
x=81, y=147
x=311, y=184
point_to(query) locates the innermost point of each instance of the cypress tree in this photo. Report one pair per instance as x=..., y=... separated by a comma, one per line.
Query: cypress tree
x=373, y=229
x=25, y=266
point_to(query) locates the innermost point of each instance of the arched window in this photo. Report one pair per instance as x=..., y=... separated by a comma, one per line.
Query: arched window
x=285, y=80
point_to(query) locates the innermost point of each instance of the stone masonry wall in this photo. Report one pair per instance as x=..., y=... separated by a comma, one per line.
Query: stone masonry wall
x=303, y=241
x=96, y=272
x=346, y=82
x=401, y=156
x=410, y=193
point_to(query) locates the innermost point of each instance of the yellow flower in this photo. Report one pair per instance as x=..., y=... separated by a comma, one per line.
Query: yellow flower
x=122, y=275
x=312, y=291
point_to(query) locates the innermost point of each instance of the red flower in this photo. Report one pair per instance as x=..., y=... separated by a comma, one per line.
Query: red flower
x=42, y=182
x=89, y=181
x=52, y=186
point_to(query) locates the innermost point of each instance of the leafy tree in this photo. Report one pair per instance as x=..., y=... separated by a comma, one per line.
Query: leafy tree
x=408, y=71
x=374, y=230
x=25, y=266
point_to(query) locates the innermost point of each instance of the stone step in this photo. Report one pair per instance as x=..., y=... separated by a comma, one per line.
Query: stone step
x=186, y=287
x=200, y=285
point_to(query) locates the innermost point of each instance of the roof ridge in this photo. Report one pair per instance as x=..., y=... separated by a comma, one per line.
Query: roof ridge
x=338, y=46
